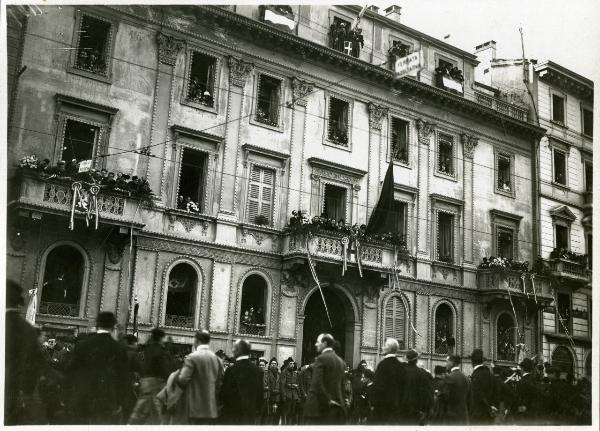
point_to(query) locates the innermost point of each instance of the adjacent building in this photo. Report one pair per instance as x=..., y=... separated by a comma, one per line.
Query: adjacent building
x=239, y=115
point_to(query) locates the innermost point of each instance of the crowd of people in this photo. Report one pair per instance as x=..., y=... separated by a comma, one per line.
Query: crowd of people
x=101, y=378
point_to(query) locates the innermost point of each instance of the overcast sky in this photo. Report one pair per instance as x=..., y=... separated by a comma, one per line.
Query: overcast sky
x=566, y=32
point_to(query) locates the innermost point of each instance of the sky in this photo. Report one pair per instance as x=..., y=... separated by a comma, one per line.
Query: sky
x=566, y=32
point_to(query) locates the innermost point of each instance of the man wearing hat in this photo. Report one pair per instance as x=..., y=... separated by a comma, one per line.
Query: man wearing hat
x=388, y=385
x=99, y=375
x=272, y=397
x=480, y=397
x=527, y=395
x=417, y=397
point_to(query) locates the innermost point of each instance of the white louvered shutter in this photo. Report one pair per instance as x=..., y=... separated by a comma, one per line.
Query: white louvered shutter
x=394, y=319
x=260, y=193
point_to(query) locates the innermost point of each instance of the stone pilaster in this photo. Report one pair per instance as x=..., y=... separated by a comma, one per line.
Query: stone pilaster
x=301, y=90
x=168, y=50
x=469, y=144
x=425, y=131
x=376, y=116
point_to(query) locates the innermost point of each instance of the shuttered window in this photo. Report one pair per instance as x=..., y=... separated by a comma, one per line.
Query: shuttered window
x=260, y=196
x=395, y=320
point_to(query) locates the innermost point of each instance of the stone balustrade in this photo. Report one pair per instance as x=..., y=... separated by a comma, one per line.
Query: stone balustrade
x=501, y=106
x=574, y=271
x=509, y=282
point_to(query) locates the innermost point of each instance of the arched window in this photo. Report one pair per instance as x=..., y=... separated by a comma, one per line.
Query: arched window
x=444, y=330
x=563, y=360
x=394, y=321
x=505, y=336
x=181, y=296
x=254, y=301
x=63, y=281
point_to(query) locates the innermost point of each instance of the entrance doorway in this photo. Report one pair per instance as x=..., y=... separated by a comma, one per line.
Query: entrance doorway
x=315, y=323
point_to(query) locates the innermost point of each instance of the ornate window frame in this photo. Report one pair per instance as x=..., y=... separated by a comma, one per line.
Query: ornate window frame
x=267, y=159
x=85, y=280
x=439, y=136
x=408, y=342
x=189, y=52
x=511, y=156
x=326, y=172
x=197, y=295
x=114, y=26
x=282, y=99
x=199, y=141
x=562, y=216
x=100, y=116
x=454, y=207
x=507, y=221
x=454, y=319
x=409, y=138
x=268, y=302
x=515, y=336
x=556, y=145
x=350, y=102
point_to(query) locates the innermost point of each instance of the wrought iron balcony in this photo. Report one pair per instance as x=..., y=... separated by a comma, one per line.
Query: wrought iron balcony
x=501, y=106
x=175, y=321
x=505, y=283
x=252, y=329
x=58, y=309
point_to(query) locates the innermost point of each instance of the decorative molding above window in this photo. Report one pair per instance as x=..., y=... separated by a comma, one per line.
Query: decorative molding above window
x=280, y=159
x=424, y=130
x=301, y=90
x=469, y=143
x=376, y=115
x=505, y=226
x=563, y=213
x=239, y=70
x=336, y=171
x=213, y=141
x=168, y=48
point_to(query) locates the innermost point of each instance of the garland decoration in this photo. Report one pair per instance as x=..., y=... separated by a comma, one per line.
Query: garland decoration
x=311, y=265
x=77, y=198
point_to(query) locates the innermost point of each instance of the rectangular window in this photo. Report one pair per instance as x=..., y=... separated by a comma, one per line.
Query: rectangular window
x=334, y=206
x=201, y=84
x=399, y=140
x=268, y=100
x=588, y=122
x=560, y=173
x=504, y=182
x=192, y=180
x=558, y=109
x=400, y=210
x=338, y=121
x=260, y=196
x=589, y=177
x=445, y=155
x=505, y=243
x=399, y=49
x=445, y=237
x=590, y=250
x=562, y=237
x=79, y=141
x=92, y=50
x=339, y=37
x=564, y=313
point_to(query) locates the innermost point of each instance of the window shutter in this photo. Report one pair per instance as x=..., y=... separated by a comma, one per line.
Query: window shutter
x=267, y=193
x=260, y=193
x=394, y=319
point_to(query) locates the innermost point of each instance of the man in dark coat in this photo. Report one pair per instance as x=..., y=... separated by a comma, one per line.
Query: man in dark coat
x=417, y=398
x=325, y=402
x=388, y=385
x=99, y=375
x=24, y=363
x=242, y=390
x=456, y=390
x=480, y=395
x=528, y=395
x=437, y=414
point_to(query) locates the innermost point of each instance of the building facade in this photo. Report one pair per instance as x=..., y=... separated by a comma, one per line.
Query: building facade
x=562, y=103
x=237, y=116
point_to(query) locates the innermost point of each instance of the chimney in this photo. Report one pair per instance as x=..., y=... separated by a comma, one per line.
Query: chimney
x=487, y=50
x=374, y=8
x=486, y=54
x=393, y=12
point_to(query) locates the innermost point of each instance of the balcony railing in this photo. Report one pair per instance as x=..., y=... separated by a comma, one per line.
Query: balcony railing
x=501, y=106
x=58, y=309
x=176, y=321
x=509, y=282
x=575, y=271
x=252, y=329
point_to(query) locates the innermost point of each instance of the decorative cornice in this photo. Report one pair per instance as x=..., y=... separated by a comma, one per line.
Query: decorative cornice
x=86, y=104
x=447, y=199
x=301, y=89
x=376, y=115
x=565, y=79
x=424, y=130
x=563, y=212
x=272, y=154
x=239, y=71
x=327, y=165
x=469, y=143
x=168, y=48
x=503, y=214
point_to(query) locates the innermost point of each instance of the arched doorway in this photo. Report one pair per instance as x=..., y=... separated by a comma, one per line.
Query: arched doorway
x=563, y=360
x=315, y=323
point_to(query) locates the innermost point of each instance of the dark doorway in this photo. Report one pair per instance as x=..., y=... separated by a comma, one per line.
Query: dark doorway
x=315, y=323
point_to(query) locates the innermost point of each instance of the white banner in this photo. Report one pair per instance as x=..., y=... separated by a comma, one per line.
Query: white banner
x=452, y=84
x=85, y=165
x=31, y=306
x=411, y=63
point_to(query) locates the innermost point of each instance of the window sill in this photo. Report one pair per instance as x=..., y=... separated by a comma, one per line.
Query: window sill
x=200, y=106
x=561, y=186
x=95, y=76
x=448, y=264
x=262, y=228
x=560, y=124
x=508, y=194
x=451, y=177
x=590, y=137
x=255, y=122
x=402, y=164
x=342, y=147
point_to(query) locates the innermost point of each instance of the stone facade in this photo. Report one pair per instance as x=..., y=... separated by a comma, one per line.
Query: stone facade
x=142, y=102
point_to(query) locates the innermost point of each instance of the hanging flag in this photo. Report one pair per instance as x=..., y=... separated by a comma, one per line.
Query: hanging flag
x=281, y=16
x=357, y=19
x=383, y=217
x=31, y=306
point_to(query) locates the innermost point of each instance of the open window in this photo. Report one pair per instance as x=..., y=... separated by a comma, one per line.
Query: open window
x=268, y=100
x=444, y=330
x=504, y=182
x=445, y=237
x=558, y=109
x=560, y=167
x=445, y=162
x=506, y=338
x=561, y=237
x=563, y=361
x=201, y=80
x=192, y=180
x=63, y=282
x=505, y=243
x=334, y=204
x=253, y=305
x=563, y=315
x=260, y=196
x=394, y=320
x=93, y=45
x=181, y=296
x=79, y=140
x=337, y=131
x=399, y=138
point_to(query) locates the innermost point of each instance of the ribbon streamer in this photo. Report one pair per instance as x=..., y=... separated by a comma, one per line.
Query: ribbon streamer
x=345, y=242
x=532, y=277
x=31, y=306
x=514, y=312
x=93, y=203
x=358, y=257
x=315, y=278
x=561, y=321
x=404, y=302
x=76, y=187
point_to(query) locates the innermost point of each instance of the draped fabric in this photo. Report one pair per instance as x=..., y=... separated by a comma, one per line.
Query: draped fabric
x=445, y=246
x=335, y=202
x=383, y=219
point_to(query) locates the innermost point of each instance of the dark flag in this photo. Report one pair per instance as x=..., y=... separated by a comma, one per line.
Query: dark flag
x=383, y=217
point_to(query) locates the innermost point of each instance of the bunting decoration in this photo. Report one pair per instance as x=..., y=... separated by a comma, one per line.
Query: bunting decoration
x=31, y=306
x=311, y=265
x=532, y=276
x=76, y=187
x=345, y=242
x=514, y=312
x=359, y=258
x=92, y=210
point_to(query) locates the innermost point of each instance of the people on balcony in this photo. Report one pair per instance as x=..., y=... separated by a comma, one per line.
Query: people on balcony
x=342, y=38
